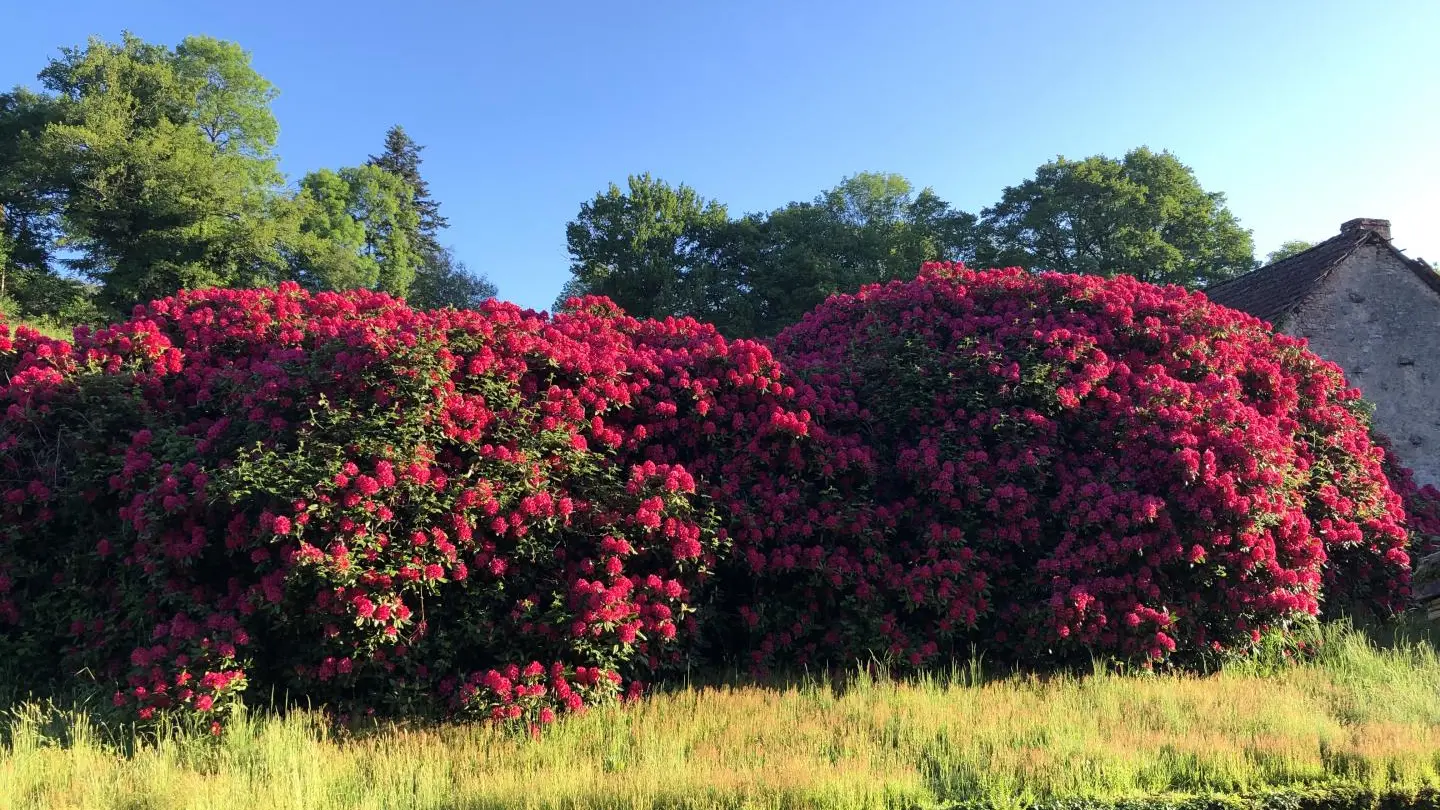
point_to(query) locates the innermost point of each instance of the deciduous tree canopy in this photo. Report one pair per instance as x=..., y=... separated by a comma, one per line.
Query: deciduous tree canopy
x=1144, y=215
x=1288, y=249
x=658, y=250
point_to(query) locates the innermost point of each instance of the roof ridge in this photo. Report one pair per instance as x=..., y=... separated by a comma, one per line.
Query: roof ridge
x=1275, y=289
x=1294, y=256
x=1427, y=274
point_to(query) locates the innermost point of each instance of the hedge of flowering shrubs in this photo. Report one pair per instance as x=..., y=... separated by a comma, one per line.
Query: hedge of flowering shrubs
x=511, y=515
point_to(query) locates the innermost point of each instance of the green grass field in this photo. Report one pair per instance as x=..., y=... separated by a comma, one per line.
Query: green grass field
x=1362, y=716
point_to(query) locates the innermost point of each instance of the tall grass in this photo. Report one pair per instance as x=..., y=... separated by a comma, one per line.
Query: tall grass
x=48, y=328
x=1362, y=714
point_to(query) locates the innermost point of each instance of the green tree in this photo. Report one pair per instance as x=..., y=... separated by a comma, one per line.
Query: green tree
x=870, y=228
x=1288, y=249
x=658, y=250
x=231, y=101
x=1145, y=215
x=359, y=226
x=402, y=159
x=329, y=251
x=29, y=225
x=161, y=168
x=892, y=228
x=444, y=281
x=441, y=280
x=640, y=246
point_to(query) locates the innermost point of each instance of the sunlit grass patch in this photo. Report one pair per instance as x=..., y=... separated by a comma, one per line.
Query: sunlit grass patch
x=1359, y=717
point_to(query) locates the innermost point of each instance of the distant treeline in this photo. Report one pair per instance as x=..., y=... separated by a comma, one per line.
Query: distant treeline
x=135, y=170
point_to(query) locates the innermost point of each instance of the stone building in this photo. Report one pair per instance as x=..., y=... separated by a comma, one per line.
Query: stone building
x=1373, y=311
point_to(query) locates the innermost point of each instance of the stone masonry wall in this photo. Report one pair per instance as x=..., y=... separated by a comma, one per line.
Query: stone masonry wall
x=1380, y=323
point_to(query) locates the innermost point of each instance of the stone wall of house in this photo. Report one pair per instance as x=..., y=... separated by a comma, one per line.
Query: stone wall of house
x=1373, y=317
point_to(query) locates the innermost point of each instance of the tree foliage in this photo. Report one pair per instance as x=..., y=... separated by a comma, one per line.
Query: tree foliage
x=659, y=250
x=231, y=101
x=641, y=246
x=1288, y=249
x=160, y=162
x=137, y=170
x=28, y=215
x=870, y=228
x=402, y=159
x=365, y=220
x=441, y=280
x=444, y=281
x=1145, y=216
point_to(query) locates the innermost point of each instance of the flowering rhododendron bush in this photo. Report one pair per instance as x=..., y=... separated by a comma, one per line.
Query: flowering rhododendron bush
x=340, y=498
x=1076, y=465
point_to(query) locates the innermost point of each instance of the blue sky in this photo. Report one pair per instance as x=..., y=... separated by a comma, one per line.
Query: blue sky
x=1304, y=113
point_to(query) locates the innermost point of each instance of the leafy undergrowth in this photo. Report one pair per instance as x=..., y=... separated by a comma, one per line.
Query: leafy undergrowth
x=1358, y=724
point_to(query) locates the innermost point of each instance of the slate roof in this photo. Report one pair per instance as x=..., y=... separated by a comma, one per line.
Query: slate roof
x=1276, y=289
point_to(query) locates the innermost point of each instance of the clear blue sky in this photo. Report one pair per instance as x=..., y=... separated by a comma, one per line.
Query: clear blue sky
x=1304, y=113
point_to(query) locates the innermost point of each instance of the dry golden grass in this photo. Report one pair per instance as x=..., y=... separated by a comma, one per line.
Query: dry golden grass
x=1360, y=716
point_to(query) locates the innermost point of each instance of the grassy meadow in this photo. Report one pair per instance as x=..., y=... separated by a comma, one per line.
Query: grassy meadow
x=1363, y=716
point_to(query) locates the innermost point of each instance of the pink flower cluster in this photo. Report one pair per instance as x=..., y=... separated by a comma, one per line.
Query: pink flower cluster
x=355, y=503
x=530, y=696
x=1422, y=504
